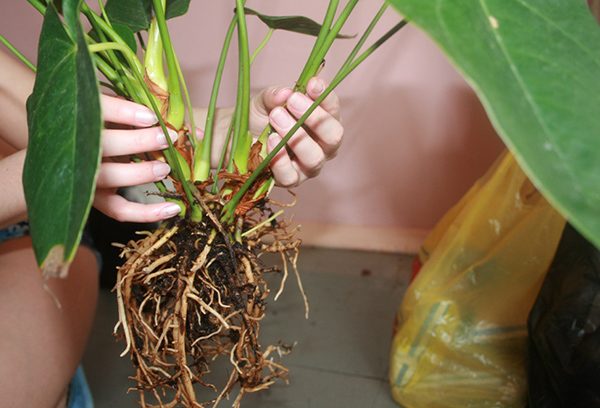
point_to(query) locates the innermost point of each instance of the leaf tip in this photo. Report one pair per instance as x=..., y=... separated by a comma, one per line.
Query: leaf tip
x=54, y=265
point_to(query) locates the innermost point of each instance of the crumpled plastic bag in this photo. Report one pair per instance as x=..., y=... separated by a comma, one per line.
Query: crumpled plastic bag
x=564, y=329
x=462, y=324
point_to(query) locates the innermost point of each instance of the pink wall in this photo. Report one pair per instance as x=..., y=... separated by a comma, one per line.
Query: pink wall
x=416, y=135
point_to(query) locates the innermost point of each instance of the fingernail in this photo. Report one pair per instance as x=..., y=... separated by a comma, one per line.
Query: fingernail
x=299, y=102
x=170, y=210
x=162, y=140
x=281, y=118
x=318, y=87
x=145, y=117
x=161, y=169
x=279, y=90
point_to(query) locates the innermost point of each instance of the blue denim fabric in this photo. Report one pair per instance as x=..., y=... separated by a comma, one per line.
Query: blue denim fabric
x=79, y=392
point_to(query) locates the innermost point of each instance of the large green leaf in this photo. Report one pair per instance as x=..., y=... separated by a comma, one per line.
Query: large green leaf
x=64, y=140
x=137, y=14
x=297, y=24
x=534, y=64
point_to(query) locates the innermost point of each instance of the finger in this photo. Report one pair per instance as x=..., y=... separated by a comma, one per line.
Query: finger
x=285, y=173
x=308, y=153
x=118, y=110
x=119, y=208
x=113, y=175
x=272, y=97
x=315, y=87
x=265, y=102
x=327, y=130
x=125, y=142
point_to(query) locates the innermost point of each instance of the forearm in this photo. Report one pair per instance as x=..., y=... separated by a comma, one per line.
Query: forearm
x=16, y=83
x=12, y=200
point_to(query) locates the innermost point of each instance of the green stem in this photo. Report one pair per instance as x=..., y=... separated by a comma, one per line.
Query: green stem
x=221, y=163
x=17, y=53
x=39, y=5
x=242, y=140
x=325, y=29
x=153, y=59
x=95, y=20
x=202, y=159
x=366, y=34
x=109, y=57
x=262, y=45
x=176, y=112
x=265, y=222
x=316, y=60
x=188, y=101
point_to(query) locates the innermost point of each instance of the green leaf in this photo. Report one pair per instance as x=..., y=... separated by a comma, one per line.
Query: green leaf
x=137, y=14
x=63, y=154
x=123, y=31
x=176, y=8
x=534, y=64
x=127, y=35
x=297, y=24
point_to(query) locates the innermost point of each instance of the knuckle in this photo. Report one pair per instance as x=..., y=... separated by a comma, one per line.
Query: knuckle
x=287, y=179
x=315, y=161
x=119, y=214
x=337, y=136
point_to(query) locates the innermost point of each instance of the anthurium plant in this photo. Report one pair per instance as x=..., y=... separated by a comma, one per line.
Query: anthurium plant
x=534, y=65
x=192, y=289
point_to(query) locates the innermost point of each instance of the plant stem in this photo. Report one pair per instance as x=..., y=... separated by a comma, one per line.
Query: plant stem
x=202, y=155
x=262, y=45
x=188, y=101
x=242, y=141
x=153, y=58
x=103, y=27
x=17, y=53
x=176, y=113
x=325, y=29
x=39, y=6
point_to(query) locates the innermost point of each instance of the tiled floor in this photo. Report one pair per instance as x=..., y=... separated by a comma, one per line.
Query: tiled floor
x=341, y=357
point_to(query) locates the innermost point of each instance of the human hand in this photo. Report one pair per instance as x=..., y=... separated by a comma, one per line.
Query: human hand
x=310, y=148
x=125, y=142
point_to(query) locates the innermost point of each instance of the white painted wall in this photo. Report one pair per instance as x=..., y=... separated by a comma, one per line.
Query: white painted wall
x=416, y=135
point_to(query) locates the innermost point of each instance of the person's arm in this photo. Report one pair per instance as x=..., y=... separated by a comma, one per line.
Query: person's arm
x=16, y=83
x=12, y=200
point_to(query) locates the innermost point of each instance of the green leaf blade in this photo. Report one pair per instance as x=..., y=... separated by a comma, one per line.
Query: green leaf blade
x=534, y=65
x=64, y=144
x=296, y=24
x=137, y=14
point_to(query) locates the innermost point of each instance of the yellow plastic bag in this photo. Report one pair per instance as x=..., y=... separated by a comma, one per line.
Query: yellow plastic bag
x=460, y=340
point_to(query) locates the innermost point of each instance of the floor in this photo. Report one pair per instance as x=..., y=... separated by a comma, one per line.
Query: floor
x=341, y=356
